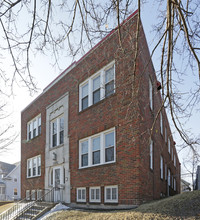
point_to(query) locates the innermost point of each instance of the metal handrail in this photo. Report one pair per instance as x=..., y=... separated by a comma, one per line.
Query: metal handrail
x=18, y=209
x=7, y=215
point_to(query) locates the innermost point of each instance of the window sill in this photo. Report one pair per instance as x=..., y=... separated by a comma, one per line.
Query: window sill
x=31, y=177
x=93, y=105
x=28, y=141
x=97, y=165
x=56, y=147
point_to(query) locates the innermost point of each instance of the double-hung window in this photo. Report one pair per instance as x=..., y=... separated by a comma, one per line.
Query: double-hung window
x=109, y=81
x=111, y=194
x=34, y=127
x=84, y=154
x=95, y=194
x=81, y=194
x=84, y=98
x=109, y=147
x=57, y=131
x=34, y=166
x=97, y=149
x=96, y=90
x=97, y=87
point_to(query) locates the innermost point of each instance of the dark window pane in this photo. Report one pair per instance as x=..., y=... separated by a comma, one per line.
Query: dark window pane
x=108, y=194
x=34, y=132
x=29, y=172
x=96, y=157
x=84, y=160
x=109, y=154
x=54, y=140
x=61, y=137
x=84, y=102
x=109, y=88
x=39, y=130
x=83, y=194
x=29, y=135
x=34, y=171
x=39, y=170
x=79, y=194
x=97, y=194
x=96, y=96
x=114, y=193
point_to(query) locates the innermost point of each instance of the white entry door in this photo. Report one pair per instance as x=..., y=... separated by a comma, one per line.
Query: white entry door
x=56, y=184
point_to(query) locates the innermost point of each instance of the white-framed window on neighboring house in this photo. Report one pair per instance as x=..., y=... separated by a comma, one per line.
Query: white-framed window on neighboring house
x=97, y=87
x=169, y=177
x=161, y=123
x=34, y=127
x=169, y=147
x=27, y=194
x=81, y=194
x=150, y=94
x=57, y=131
x=111, y=194
x=165, y=171
x=34, y=166
x=95, y=194
x=2, y=190
x=15, y=191
x=174, y=160
x=97, y=149
x=161, y=167
x=151, y=155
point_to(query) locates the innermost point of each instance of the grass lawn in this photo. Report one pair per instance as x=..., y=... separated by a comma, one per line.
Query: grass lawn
x=6, y=206
x=183, y=206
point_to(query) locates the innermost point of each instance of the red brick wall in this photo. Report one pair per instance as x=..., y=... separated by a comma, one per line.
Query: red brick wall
x=127, y=110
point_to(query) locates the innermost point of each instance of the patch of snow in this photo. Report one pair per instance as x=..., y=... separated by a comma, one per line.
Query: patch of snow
x=58, y=207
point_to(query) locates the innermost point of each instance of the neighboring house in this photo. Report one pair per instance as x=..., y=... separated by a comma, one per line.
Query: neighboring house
x=88, y=133
x=185, y=186
x=10, y=181
x=197, y=182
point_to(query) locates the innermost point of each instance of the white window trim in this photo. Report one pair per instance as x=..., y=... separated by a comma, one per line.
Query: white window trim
x=102, y=149
x=37, y=165
x=151, y=155
x=95, y=200
x=89, y=80
x=57, y=120
x=32, y=126
x=27, y=194
x=80, y=200
x=110, y=200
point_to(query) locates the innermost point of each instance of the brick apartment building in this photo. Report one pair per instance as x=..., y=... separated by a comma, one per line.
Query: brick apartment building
x=89, y=132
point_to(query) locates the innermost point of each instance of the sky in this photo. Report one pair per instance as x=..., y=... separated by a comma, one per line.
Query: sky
x=44, y=73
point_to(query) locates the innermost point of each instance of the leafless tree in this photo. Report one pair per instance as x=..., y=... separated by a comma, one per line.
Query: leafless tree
x=73, y=27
